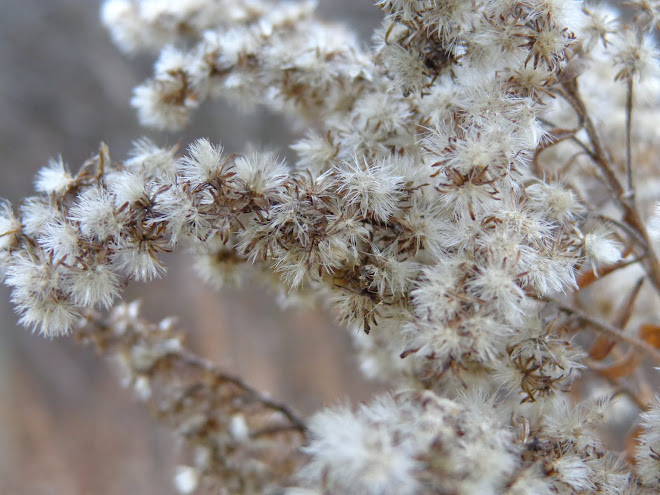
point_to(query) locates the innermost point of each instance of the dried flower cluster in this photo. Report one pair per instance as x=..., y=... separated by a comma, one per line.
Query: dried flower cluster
x=471, y=194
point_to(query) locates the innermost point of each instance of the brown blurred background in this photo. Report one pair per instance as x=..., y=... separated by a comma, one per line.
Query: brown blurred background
x=66, y=427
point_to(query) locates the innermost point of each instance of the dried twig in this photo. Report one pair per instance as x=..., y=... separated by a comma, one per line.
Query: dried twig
x=608, y=329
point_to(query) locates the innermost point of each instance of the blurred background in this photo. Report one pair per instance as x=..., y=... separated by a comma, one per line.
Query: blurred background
x=66, y=426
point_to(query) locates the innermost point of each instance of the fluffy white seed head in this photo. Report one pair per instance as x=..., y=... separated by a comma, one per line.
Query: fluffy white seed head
x=61, y=240
x=96, y=214
x=637, y=57
x=407, y=444
x=648, y=462
x=127, y=188
x=93, y=286
x=151, y=160
x=203, y=163
x=260, y=173
x=601, y=248
x=138, y=262
x=372, y=188
x=10, y=226
x=54, y=179
x=357, y=455
x=556, y=201
x=35, y=213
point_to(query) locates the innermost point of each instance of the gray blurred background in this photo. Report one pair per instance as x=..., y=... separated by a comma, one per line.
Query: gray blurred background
x=66, y=427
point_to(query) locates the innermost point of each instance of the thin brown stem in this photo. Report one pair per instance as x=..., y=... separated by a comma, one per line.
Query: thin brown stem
x=638, y=397
x=634, y=234
x=599, y=153
x=609, y=330
x=629, y=108
x=193, y=360
x=602, y=158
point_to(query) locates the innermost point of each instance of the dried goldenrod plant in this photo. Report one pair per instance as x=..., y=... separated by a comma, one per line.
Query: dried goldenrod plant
x=477, y=194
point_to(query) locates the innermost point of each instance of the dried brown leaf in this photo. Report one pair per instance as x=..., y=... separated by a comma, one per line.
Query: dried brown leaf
x=650, y=334
x=601, y=348
x=623, y=367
